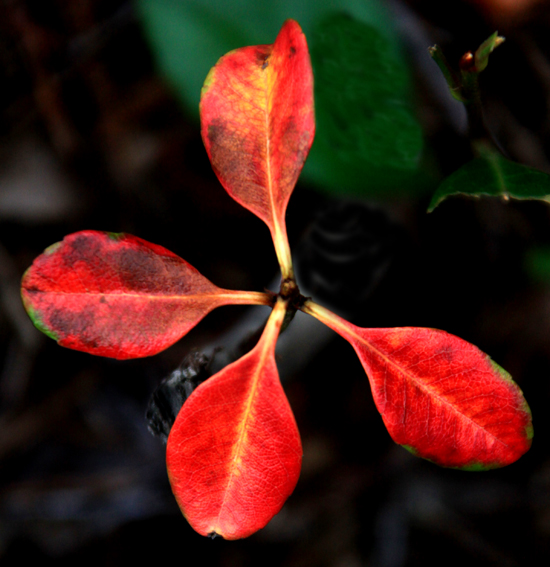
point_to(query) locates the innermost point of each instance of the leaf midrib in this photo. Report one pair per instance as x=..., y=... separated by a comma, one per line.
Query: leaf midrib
x=143, y=295
x=425, y=388
x=267, y=345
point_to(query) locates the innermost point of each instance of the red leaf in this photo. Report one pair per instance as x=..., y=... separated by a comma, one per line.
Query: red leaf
x=258, y=126
x=234, y=451
x=440, y=396
x=119, y=296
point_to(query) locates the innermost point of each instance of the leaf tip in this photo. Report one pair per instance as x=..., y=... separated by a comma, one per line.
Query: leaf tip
x=291, y=25
x=436, y=200
x=485, y=49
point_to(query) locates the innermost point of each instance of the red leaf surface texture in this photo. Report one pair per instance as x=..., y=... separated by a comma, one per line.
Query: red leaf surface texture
x=234, y=452
x=258, y=125
x=119, y=296
x=440, y=396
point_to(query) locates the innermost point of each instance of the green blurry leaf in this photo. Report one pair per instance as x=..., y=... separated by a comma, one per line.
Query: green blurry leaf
x=496, y=176
x=368, y=140
x=485, y=49
x=189, y=36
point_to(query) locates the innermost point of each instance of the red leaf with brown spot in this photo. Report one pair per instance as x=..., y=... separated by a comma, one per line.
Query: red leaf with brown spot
x=258, y=126
x=234, y=452
x=440, y=396
x=117, y=295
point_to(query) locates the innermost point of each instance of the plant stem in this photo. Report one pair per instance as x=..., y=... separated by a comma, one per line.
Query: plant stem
x=249, y=297
x=330, y=319
x=282, y=249
x=465, y=87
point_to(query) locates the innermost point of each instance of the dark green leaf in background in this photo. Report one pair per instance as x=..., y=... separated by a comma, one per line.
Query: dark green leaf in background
x=494, y=175
x=189, y=36
x=368, y=141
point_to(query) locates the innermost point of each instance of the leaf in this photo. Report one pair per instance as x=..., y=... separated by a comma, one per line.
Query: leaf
x=368, y=139
x=187, y=37
x=485, y=49
x=440, y=396
x=119, y=296
x=234, y=452
x=495, y=176
x=454, y=80
x=258, y=125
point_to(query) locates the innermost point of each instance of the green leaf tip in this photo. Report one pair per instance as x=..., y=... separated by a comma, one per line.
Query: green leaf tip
x=464, y=84
x=452, y=78
x=485, y=49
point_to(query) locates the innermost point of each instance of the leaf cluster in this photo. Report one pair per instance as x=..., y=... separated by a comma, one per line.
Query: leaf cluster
x=234, y=452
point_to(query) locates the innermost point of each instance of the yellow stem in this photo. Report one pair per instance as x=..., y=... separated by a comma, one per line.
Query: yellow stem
x=248, y=297
x=330, y=319
x=282, y=249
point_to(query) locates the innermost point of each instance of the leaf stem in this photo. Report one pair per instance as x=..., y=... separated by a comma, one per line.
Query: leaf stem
x=330, y=319
x=249, y=297
x=452, y=78
x=464, y=86
x=282, y=249
x=275, y=322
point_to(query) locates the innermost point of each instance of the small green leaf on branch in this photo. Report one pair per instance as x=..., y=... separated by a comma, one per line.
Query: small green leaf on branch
x=463, y=81
x=482, y=53
x=451, y=76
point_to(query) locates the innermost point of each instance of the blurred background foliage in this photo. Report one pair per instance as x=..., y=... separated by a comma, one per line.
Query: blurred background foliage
x=99, y=130
x=366, y=126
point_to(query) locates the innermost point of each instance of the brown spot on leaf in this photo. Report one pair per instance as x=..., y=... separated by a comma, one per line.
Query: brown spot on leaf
x=233, y=159
x=262, y=53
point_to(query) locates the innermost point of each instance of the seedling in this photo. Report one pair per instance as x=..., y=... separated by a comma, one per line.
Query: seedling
x=490, y=173
x=234, y=452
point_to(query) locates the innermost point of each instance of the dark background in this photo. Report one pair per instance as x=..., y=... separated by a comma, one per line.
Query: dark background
x=92, y=137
